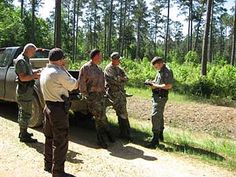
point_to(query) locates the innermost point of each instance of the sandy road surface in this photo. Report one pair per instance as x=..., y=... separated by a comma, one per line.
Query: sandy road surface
x=85, y=159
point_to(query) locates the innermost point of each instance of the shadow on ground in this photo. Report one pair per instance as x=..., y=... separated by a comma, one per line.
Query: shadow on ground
x=82, y=131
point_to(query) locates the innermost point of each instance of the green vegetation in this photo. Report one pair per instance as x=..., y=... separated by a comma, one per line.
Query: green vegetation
x=219, y=85
x=218, y=151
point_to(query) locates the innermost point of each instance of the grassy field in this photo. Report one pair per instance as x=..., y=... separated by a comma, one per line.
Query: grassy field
x=176, y=97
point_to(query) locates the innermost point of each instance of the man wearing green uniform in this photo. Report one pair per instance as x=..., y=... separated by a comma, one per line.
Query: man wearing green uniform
x=160, y=86
x=24, y=90
x=92, y=88
x=115, y=81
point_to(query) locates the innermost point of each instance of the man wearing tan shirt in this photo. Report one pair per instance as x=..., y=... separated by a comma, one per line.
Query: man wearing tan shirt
x=55, y=84
x=92, y=87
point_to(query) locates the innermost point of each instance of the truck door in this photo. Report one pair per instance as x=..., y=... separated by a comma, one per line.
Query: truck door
x=3, y=70
x=10, y=78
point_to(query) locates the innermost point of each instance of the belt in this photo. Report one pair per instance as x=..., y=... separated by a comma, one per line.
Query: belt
x=160, y=94
x=55, y=103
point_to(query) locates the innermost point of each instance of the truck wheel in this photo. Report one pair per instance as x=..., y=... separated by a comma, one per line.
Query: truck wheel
x=37, y=114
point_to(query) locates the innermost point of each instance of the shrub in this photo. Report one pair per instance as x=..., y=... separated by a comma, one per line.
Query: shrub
x=220, y=80
x=192, y=57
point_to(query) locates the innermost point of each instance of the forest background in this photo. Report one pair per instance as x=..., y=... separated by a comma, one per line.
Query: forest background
x=203, y=60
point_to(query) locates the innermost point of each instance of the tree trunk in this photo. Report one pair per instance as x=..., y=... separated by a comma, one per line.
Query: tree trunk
x=210, y=51
x=155, y=35
x=138, y=39
x=191, y=25
x=105, y=35
x=95, y=25
x=22, y=9
x=167, y=30
x=121, y=26
x=232, y=61
x=198, y=28
x=57, y=34
x=90, y=34
x=33, y=22
x=74, y=24
x=77, y=29
x=205, y=39
x=123, y=30
x=110, y=28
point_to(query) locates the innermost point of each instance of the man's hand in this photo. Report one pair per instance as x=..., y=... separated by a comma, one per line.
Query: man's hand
x=36, y=74
x=148, y=82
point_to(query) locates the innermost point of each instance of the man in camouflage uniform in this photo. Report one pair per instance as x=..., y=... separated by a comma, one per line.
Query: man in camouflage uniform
x=115, y=81
x=160, y=86
x=24, y=90
x=92, y=88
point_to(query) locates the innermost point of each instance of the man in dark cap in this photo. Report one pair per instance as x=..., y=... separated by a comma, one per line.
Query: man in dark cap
x=115, y=82
x=55, y=84
x=160, y=86
x=24, y=90
x=92, y=88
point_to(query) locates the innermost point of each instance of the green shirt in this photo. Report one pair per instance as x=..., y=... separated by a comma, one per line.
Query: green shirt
x=164, y=76
x=24, y=90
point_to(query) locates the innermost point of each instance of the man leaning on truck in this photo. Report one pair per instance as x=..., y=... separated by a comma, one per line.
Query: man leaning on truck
x=24, y=90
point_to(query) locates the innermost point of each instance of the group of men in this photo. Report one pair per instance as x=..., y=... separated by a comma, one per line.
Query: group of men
x=95, y=86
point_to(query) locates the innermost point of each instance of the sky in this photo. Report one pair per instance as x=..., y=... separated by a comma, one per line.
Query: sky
x=48, y=6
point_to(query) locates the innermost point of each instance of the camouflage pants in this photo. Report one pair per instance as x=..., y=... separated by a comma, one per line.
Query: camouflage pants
x=24, y=113
x=158, y=106
x=97, y=107
x=119, y=104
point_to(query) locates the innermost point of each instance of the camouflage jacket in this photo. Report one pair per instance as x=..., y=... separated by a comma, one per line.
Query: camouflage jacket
x=91, y=79
x=113, y=75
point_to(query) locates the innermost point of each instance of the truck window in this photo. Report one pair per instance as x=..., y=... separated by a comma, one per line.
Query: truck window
x=4, y=56
x=41, y=53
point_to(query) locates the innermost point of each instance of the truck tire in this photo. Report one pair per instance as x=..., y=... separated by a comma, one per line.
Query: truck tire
x=37, y=113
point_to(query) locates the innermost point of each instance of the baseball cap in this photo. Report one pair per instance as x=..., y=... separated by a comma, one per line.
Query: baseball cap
x=56, y=54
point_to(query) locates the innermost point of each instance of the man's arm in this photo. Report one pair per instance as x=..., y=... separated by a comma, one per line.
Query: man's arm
x=161, y=86
x=111, y=77
x=168, y=79
x=82, y=81
x=68, y=82
x=24, y=77
x=21, y=72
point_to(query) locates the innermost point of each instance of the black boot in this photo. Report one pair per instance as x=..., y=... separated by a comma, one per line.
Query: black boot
x=124, y=129
x=110, y=136
x=161, y=137
x=26, y=137
x=154, y=142
x=100, y=140
x=25, y=131
x=48, y=167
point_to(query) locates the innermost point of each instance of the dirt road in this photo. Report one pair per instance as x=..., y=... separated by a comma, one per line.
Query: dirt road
x=85, y=159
